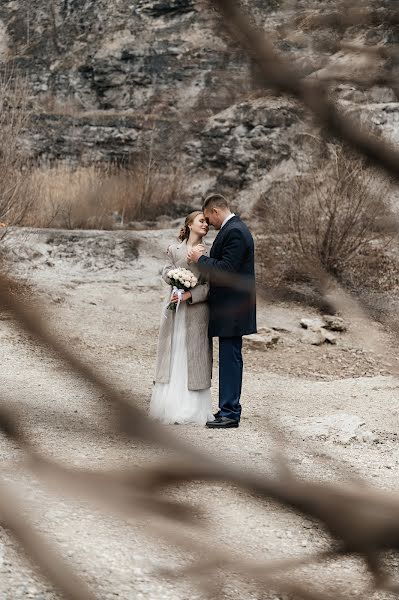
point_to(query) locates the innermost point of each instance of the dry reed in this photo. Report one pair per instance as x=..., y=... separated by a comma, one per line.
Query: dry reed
x=100, y=197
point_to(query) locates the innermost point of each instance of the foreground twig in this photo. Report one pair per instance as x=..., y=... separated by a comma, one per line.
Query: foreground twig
x=276, y=73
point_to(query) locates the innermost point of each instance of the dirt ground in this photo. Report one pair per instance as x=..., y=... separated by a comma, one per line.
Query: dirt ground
x=104, y=298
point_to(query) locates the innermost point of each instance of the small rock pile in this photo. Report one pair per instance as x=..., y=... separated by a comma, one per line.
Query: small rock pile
x=318, y=331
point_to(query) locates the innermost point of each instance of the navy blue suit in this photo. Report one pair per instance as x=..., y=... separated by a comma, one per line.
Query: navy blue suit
x=232, y=303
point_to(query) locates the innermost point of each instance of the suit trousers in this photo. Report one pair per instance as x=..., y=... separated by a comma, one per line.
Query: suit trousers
x=230, y=376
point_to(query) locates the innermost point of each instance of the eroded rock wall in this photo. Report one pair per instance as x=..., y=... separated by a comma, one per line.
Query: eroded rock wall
x=107, y=79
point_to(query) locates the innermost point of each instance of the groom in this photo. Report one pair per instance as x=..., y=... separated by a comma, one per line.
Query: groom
x=232, y=303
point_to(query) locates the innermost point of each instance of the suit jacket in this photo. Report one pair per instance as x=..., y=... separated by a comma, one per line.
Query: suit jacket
x=230, y=269
x=199, y=347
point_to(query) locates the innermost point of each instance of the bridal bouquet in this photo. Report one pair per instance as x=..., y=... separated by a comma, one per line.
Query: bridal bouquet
x=181, y=280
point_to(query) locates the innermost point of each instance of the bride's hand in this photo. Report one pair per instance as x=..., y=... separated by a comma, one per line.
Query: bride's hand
x=195, y=253
x=185, y=296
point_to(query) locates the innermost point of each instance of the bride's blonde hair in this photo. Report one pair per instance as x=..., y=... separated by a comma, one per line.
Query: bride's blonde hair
x=185, y=230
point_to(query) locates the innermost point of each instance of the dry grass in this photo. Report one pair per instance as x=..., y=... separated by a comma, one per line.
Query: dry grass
x=98, y=197
x=16, y=195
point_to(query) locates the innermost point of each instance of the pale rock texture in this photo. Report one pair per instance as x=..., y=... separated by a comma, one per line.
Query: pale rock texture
x=263, y=340
x=108, y=79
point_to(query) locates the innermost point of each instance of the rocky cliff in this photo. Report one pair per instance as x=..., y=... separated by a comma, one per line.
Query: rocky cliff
x=108, y=79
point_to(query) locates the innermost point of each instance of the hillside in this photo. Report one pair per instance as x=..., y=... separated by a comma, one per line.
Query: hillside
x=109, y=80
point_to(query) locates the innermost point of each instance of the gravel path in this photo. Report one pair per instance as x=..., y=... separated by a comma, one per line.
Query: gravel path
x=110, y=316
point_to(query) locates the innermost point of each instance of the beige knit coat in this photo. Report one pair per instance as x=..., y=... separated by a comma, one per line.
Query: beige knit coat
x=199, y=346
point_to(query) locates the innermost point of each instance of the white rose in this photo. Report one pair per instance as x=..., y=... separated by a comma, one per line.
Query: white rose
x=193, y=284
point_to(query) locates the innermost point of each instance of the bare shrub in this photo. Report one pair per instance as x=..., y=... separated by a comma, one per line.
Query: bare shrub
x=98, y=196
x=336, y=211
x=335, y=215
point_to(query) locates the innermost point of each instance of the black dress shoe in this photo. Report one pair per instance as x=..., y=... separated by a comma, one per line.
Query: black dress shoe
x=217, y=414
x=222, y=423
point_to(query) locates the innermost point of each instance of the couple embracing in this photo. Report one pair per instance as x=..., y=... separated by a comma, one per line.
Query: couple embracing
x=220, y=304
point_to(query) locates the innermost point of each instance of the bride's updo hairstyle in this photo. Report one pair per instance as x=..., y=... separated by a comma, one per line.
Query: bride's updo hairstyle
x=185, y=230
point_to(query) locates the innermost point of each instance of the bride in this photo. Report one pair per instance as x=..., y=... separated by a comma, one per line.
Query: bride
x=182, y=391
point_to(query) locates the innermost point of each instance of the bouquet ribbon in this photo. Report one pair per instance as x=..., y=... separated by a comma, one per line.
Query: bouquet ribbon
x=179, y=296
x=179, y=293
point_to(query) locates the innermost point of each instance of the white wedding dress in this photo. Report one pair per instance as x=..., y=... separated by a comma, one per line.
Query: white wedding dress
x=173, y=402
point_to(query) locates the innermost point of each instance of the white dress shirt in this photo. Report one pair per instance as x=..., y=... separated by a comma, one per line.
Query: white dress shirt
x=227, y=219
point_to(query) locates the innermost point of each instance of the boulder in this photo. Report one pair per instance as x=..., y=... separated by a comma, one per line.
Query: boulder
x=329, y=337
x=314, y=337
x=312, y=324
x=334, y=323
x=261, y=341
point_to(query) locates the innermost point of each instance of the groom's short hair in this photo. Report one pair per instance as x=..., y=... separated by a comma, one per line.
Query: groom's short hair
x=215, y=201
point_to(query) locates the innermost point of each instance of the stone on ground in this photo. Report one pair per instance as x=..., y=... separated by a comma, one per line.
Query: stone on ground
x=314, y=337
x=266, y=338
x=312, y=324
x=334, y=323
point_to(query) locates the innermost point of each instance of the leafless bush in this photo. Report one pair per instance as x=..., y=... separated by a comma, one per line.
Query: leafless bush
x=335, y=212
x=336, y=215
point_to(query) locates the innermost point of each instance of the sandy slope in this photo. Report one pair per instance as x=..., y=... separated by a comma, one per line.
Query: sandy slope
x=108, y=311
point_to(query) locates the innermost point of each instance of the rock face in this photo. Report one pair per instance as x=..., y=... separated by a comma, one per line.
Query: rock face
x=110, y=79
x=247, y=139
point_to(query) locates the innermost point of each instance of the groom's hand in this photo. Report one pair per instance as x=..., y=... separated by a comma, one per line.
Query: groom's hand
x=195, y=253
